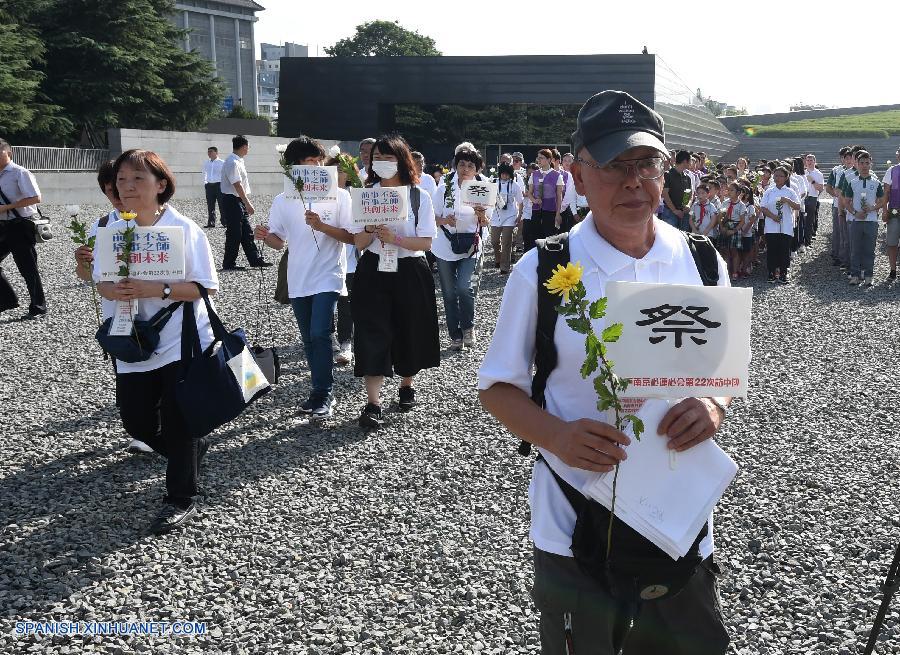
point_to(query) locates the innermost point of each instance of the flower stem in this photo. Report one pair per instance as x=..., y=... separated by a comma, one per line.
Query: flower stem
x=94, y=296
x=617, y=405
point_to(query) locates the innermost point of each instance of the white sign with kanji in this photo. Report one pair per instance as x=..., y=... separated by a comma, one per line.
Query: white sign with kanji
x=478, y=193
x=680, y=341
x=380, y=205
x=157, y=253
x=319, y=183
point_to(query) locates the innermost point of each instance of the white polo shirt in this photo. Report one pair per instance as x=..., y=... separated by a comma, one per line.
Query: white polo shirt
x=233, y=170
x=510, y=356
x=770, y=200
x=817, y=178
x=854, y=189
x=317, y=263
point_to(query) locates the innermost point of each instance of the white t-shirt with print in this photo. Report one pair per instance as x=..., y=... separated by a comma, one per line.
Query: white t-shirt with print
x=466, y=221
x=312, y=268
x=198, y=267
x=511, y=192
x=510, y=356
x=407, y=228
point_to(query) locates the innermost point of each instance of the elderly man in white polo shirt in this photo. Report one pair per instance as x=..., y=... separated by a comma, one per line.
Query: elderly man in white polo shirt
x=620, y=161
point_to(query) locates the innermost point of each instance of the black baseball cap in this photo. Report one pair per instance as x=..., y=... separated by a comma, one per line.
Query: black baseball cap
x=611, y=122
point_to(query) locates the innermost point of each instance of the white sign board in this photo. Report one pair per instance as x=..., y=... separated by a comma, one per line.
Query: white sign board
x=681, y=341
x=319, y=183
x=481, y=193
x=380, y=205
x=156, y=254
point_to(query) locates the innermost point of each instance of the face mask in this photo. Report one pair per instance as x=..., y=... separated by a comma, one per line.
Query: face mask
x=384, y=169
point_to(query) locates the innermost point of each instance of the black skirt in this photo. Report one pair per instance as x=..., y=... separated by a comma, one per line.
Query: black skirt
x=395, y=320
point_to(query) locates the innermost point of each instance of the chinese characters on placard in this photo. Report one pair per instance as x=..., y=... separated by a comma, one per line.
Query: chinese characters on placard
x=479, y=190
x=315, y=179
x=376, y=201
x=678, y=328
x=147, y=248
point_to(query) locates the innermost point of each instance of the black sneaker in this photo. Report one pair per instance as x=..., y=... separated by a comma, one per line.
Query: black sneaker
x=371, y=417
x=892, y=275
x=771, y=278
x=261, y=264
x=171, y=517
x=407, y=399
x=783, y=279
x=323, y=406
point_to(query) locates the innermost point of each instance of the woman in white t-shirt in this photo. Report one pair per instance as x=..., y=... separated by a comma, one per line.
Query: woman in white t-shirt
x=394, y=308
x=778, y=205
x=317, y=235
x=146, y=390
x=459, y=226
x=505, y=217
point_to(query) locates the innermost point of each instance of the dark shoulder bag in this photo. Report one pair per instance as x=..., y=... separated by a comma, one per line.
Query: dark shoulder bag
x=637, y=570
x=140, y=345
x=41, y=226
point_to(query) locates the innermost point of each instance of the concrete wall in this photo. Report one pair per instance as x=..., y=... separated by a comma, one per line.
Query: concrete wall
x=185, y=153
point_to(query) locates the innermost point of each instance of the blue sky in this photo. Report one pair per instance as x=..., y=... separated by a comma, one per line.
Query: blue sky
x=727, y=50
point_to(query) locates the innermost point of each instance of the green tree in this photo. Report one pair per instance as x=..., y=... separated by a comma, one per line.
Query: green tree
x=382, y=38
x=117, y=63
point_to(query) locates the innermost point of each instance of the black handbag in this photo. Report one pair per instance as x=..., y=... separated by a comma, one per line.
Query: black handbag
x=40, y=225
x=143, y=340
x=463, y=243
x=215, y=385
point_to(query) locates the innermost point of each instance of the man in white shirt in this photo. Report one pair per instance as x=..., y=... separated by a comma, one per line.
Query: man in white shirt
x=815, y=182
x=569, y=194
x=425, y=181
x=619, y=240
x=891, y=215
x=237, y=208
x=840, y=236
x=212, y=182
x=519, y=170
x=864, y=196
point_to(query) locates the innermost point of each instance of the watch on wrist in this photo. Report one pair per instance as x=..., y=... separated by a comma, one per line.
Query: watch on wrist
x=720, y=403
x=167, y=291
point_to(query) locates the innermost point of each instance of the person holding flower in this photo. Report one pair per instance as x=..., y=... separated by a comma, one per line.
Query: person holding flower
x=619, y=167
x=459, y=224
x=146, y=390
x=395, y=324
x=316, y=269
x=778, y=205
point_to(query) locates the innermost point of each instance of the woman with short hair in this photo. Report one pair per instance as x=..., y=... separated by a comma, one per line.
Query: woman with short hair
x=146, y=390
x=547, y=189
x=459, y=226
x=394, y=313
x=505, y=217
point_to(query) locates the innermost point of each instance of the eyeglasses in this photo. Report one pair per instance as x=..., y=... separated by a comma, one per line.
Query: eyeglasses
x=647, y=168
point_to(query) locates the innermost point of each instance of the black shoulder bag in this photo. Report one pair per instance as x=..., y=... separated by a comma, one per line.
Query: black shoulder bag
x=637, y=570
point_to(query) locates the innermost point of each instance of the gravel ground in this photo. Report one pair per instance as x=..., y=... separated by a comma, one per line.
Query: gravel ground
x=414, y=539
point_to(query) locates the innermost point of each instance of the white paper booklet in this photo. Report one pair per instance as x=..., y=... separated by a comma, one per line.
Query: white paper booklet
x=665, y=499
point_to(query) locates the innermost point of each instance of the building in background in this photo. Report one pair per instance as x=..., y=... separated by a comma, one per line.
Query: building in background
x=222, y=31
x=268, y=73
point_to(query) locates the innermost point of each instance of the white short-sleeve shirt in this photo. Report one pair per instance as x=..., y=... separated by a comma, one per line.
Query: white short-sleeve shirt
x=769, y=201
x=234, y=170
x=817, y=178
x=510, y=356
x=199, y=267
x=426, y=227
x=317, y=263
x=511, y=193
x=466, y=221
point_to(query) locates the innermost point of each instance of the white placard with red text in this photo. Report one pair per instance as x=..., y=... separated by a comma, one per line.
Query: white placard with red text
x=319, y=183
x=379, y=205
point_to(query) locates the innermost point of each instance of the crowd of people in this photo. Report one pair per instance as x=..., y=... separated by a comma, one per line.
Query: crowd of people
x=366, y=295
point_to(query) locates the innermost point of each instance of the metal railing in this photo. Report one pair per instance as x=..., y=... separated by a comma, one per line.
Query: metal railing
x=40, y=158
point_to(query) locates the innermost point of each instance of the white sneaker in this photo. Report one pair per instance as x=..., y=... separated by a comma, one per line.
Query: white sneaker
x=854, y=280
x=138, y=446
x=456, y=344
x=802, y=249
x=345, y=354
x=469, y=337
x=335, y=346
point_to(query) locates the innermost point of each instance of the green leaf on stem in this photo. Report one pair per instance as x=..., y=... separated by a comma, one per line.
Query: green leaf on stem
x=580, y=324
x=598, y=308
x=565, y=310
x=612, y=333
x=637, y=425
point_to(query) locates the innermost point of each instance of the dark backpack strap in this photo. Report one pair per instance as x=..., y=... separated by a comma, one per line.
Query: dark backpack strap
x=552, y=252
x=415, y=197
x=103, y=222
x=706, y=258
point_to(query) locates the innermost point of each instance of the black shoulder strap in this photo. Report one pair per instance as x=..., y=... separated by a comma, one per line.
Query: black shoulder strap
x=415, y=196
x=706, y=258
x=552, y=252
x=103, y=222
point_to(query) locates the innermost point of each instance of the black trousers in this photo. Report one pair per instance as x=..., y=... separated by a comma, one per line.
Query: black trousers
x=778, y=252
x=17, y=239
x=344, y=313
x=547, y=222
x=237, y=232
x=812, y=219
x=213, y=196
x=150, y=413
x=690, y=623
x=531, y=232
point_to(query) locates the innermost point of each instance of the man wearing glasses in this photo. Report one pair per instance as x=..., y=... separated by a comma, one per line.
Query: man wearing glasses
x=619, y=165
x=678, y=192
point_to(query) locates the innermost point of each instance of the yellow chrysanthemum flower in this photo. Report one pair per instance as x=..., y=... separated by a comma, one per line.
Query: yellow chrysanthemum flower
x=565, y=279
x=128, y=216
